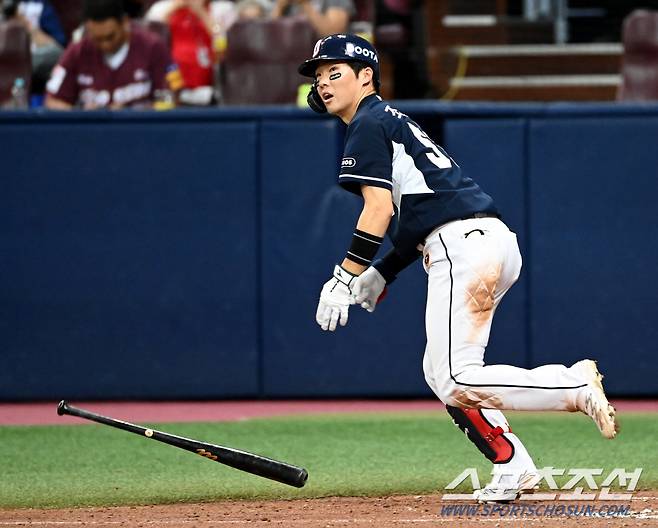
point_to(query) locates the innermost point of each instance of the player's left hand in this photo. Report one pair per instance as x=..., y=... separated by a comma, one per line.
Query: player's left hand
x=369, y=289
x=335, y=299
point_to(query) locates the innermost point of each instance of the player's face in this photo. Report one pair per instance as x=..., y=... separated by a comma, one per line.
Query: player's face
x=339, y=88
x=108, y=35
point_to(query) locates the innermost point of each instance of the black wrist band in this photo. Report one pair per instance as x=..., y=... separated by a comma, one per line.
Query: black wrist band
x=393, y=263
x=364, y=247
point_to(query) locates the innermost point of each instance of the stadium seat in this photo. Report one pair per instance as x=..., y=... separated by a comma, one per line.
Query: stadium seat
x=262, y=56
x=15, y=58
x=365, y=10
x=640, y=60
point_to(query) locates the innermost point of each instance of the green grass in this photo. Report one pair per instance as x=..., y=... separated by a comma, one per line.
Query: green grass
x=63, y=466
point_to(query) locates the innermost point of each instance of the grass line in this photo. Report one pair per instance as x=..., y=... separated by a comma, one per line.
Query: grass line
x=346, y=455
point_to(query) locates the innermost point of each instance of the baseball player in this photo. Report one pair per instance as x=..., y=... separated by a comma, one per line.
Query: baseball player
x=414, y=191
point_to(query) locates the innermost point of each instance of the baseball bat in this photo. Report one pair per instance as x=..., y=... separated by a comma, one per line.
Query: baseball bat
x=242, y=460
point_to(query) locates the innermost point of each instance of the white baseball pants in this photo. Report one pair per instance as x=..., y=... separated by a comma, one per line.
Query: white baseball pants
x=471, y=264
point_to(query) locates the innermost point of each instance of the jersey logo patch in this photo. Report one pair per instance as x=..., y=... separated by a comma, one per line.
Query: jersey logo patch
x=85, y=80
x=348, y=163
x=56, y=79
x=140, y=74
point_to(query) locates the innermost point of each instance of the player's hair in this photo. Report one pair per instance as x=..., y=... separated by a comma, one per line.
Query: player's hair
x=99, y=10
x=357, y=66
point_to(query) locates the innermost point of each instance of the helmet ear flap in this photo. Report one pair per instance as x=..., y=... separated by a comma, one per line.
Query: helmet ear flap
x=314, y=100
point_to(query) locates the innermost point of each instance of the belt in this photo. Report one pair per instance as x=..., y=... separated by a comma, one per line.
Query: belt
x=421, y=246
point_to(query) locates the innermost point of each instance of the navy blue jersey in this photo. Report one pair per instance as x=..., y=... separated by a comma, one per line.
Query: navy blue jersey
x=385, y=148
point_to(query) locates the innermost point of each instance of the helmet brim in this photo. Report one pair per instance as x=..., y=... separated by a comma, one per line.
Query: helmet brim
x=308, y=67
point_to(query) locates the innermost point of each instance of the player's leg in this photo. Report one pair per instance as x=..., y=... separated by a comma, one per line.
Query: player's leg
x=471, y=265
x=514, y=471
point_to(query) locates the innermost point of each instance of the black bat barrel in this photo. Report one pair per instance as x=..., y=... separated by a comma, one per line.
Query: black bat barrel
x=242, y=460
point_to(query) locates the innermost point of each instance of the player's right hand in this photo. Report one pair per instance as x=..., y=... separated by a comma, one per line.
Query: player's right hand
x=369, y=288
x=335, y=300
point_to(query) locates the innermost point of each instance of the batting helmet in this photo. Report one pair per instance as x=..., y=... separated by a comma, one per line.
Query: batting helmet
x=342, y=48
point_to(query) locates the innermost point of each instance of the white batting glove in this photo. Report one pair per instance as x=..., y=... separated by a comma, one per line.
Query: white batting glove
x=335, y=299
x=369, y=288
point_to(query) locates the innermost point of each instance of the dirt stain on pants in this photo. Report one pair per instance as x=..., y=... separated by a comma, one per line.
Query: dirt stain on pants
x=480, y=299
x=476, y=399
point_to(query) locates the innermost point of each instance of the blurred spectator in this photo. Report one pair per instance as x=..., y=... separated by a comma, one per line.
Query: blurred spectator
x=639, y=70
x=116, y=65
x=252, y=9
x=191, y=27
x=399, y=35
x=326, y=16
x=134, y=8
x=223, y=14
x=46, y=34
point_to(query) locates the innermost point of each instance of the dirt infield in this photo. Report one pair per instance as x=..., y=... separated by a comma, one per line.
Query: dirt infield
x=383, y=512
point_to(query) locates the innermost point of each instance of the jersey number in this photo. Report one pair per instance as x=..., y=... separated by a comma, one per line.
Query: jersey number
x=436, y=156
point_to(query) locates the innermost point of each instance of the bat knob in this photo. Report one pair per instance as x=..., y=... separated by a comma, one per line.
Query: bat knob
x=61, y=408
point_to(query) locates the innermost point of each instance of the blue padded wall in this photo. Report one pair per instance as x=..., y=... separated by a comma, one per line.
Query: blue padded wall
x=307, y=224
x=181, y=255
x=128, y=259
x=595, y=246
x=491, y=151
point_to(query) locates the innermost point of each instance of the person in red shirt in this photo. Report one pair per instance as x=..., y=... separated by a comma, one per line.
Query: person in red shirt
x=191, y=43
x=193, y=31
x=116, y=65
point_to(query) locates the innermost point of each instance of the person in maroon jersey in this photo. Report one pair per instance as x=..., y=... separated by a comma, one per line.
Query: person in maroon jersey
x=116, y=65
